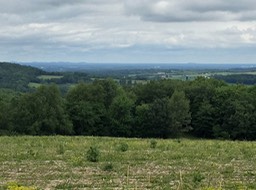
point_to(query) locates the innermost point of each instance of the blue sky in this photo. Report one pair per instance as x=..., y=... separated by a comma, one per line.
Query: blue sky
x=128, y=31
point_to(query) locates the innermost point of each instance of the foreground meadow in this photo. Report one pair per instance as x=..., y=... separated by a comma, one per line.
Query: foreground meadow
x=59, y=162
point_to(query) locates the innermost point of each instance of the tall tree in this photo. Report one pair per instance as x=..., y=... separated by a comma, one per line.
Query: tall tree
x=204, y=120
x=180, y=116
x=142, y=121
x=120, y=112
x=110, y=90
x=41, y=113
x=6, y=97
x=235, y=110
x=154, y=119
x=86, y=107
x=201, y=93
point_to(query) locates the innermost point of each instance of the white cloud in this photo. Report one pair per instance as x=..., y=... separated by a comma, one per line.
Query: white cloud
x=193, y=10
x=81, y=29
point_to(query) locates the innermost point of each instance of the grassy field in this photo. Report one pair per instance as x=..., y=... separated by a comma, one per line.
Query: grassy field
x=62, y=163
x=48, y=77
x=34, y=85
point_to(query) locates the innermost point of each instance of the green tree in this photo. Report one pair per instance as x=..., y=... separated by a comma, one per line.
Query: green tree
x=6, y=97
x=87, y=117
x=202, y=91
x=155, y=120
x=110, y=90
x=120, y=112
x=41, y=113
x=142, y=121
x=204, y=120
x=153, y=90
x=252, y=128
x=235, y=113
x=86, y=107
x=180, y=116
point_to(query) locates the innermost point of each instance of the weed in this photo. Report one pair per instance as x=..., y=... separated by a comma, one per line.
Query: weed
x=15, y=186
x=108, y=167
x=198, y=177
x=123, y=147
x=153, y=143
x=93, y=154
x=60, y=149
x=77, y=161
x=31, y=152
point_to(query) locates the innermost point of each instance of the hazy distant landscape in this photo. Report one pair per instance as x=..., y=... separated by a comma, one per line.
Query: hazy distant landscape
x=156, y=94
x=141, y=73
x=157, y=119
x=87, y=67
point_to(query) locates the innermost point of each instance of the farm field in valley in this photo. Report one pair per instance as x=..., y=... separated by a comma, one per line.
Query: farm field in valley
x=59, y=162
x=48, y=77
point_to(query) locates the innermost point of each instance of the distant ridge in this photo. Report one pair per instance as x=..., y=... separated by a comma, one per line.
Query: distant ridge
x=84, y=66
x=17, y=77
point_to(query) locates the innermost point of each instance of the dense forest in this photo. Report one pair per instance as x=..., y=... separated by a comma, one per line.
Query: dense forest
x=205, y=108
x=248, y=79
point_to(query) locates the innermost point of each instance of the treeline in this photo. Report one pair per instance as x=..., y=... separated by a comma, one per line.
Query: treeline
x=248, y=79
x=68, y=78
x=205, y=108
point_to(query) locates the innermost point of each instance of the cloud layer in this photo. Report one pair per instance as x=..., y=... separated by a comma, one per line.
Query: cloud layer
x=128, y=30
x=193, y=10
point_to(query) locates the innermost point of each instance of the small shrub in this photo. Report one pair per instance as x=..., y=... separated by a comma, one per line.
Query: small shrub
x=123, y=147
x=31, y=153
x=77, y=161
x=153, y=143
x=197, y=177
x=60, y=149
x=108, y=167
x=93, y=154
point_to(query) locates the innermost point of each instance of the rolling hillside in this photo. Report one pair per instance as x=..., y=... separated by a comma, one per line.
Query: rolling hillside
x=17, y=77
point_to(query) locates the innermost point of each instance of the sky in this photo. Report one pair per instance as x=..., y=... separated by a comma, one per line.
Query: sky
x=128, y=31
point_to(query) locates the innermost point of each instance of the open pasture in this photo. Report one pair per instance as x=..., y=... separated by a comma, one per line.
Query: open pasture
x=59, y=162
x=49, y=77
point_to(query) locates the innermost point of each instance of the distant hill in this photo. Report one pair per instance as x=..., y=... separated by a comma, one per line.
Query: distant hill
x=17, y=77
x=110, y=67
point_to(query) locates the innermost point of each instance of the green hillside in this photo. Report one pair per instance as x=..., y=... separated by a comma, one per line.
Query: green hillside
x=17, y=77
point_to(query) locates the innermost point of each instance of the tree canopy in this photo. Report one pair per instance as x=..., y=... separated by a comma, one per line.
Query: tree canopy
x=205, y=108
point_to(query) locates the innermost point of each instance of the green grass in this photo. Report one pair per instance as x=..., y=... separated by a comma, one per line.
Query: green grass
x=61, y=163
x=49, y=77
